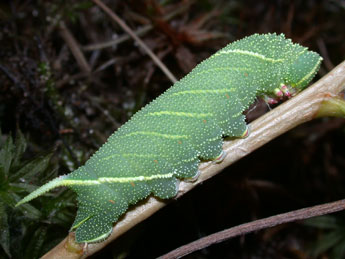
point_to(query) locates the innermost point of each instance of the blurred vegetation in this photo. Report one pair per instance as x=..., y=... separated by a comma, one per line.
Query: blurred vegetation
x=29, y=230
x=67, y=105
x=333, y=238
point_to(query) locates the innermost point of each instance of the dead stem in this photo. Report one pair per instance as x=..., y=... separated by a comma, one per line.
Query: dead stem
x=137, y=39
x=74, y=47
x=139, y=32
x=256, y=225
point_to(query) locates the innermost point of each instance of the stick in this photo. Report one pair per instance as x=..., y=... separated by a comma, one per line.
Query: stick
x=239, y=230
x=137, y=39
x=139, y=32
x=74, y=47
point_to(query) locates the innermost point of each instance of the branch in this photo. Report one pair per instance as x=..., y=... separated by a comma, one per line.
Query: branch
x=286, y=116
x=239, y=230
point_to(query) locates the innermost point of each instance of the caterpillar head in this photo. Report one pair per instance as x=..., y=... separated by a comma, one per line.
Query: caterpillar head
x=296, y=76
x=302, y=69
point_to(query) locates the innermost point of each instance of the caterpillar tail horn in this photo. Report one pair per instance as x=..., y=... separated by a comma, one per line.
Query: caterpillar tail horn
x=59, y=181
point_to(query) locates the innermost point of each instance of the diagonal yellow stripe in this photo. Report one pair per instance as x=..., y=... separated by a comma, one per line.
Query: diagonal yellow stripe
x=249, y=53
x=201, y=91
x=181, y=114
x=215, y=69
x=313, y=71
x=133, y=155
x=156, y=134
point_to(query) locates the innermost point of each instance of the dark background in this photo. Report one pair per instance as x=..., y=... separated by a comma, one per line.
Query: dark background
x=66, y=111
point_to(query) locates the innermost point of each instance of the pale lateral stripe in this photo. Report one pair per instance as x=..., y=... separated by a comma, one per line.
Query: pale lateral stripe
x=313, y=71
x=201, y=91
x=103, y=180
x=64, y=181
x=156, y=134
x=181, y=114
x=249, y=53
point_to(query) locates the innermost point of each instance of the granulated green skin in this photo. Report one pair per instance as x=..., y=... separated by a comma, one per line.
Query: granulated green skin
x=167, y=138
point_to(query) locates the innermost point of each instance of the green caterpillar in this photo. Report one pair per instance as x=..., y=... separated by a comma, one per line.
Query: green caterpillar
x=166, y=140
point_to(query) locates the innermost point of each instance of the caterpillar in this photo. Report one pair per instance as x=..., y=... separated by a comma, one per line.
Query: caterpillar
x=166, y=140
